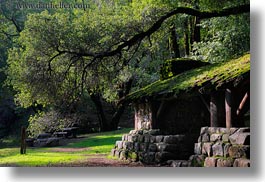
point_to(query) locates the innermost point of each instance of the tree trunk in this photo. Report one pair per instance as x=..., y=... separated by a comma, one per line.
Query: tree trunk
x=23, y=140
x=103, y=123
x=186, y=37
x=120, y=110
x=174, y=46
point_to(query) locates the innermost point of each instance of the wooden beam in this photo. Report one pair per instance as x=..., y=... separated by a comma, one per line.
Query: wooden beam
x=242, y=104
x=229, y=108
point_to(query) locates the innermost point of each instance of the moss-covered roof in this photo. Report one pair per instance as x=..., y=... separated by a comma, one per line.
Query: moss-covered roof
x=203, y=79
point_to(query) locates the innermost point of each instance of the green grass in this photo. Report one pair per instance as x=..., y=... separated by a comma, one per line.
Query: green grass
x=99, y=143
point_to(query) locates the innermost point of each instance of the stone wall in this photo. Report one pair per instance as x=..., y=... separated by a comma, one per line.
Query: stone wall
x=222, y=147
x=151, y=147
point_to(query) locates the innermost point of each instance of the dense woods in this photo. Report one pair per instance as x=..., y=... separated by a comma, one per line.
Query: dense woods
x=62, y=67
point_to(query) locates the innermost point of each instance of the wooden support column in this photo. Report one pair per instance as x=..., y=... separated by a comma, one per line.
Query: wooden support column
x=229, y=108
x=217, y=109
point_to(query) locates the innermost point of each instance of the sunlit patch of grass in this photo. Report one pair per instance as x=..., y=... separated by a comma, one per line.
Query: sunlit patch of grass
x=93, y=144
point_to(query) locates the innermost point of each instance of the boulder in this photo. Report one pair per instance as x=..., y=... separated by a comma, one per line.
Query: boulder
x=225, y=162
x=218, y=149
x=239, y=138
x=210, y=162
x=241, y=163
x=198, y=148
x=207, y=149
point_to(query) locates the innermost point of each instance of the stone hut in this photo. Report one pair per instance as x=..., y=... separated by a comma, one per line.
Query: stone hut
x=170, y=113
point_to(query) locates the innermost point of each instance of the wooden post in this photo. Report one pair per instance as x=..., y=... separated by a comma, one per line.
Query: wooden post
x=23, y=140
x=217, y=109
x=229, y=108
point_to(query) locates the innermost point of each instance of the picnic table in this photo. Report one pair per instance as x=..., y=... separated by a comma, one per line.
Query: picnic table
x=67, y=132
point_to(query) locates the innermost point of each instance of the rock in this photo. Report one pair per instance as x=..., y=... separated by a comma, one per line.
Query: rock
x=179, y=163
x=152, y=139
x=205, y=137
x=154, y=132
x=210, y=162
x=143, y=147
x=52, y=142
x=164, y=156
x=128, y=145
x=240, y=138
x=141, y=138
x=146, y=138
x=225, y=138
x=198, y=148
x=124, y=137
x=149, y=157
x=225, y=162
x=226, y=149
x=117, y=153
x=237, y=151
x=224, y=130
x=135, y=138
x=243, y=130
x=218, y=149
x=123, y=155
x=152, y=147
x=129, y=138
x=136, y=147
x=163, y=147
x=133, y=132
x=204, y=130
x=241, y=163
x=197, y=160
x=139, y=132
x=171, y=139
x=200, y=139
x=215, y=137
x=112, y=153
x=213, y=130
x=119, y=144
x=159, y=138
x=233, y=130
x=207, y=149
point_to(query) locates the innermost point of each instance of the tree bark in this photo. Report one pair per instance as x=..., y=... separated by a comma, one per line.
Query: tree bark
x=103, y=123
x=120, y=110
x=23, y=140
x=174, y=46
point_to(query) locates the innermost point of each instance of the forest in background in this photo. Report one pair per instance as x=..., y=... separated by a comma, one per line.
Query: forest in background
x=65, y=66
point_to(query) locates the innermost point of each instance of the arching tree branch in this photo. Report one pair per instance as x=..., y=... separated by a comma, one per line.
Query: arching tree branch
x=181, y=10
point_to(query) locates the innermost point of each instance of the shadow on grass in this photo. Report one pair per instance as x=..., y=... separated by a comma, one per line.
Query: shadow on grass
x=94, y=142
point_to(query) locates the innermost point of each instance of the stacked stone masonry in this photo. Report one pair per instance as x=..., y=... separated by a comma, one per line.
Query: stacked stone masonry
x=222, y=147
x=150, y=146
x=216, y=147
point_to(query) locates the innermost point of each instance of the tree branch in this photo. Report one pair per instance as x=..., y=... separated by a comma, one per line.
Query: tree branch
x=181, y=10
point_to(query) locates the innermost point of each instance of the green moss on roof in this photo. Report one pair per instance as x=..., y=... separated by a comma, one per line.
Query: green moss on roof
x=212, y=76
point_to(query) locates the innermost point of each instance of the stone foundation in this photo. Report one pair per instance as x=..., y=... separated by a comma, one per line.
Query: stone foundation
x=151, y=147
x=222, y=147
x=216, y=147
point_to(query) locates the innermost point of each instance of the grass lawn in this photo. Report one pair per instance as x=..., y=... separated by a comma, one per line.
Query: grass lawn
x=91, y=144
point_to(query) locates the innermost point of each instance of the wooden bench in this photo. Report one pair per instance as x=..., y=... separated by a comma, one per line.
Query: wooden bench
x=61, y=134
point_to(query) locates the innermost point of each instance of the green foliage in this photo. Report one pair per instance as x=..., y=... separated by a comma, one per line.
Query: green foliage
x=214, y=75
x=223, y=38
